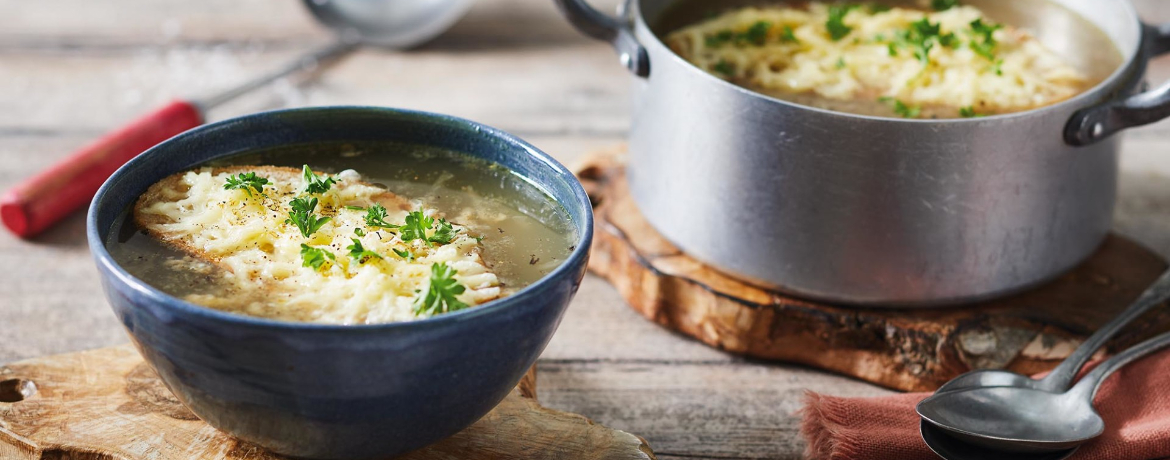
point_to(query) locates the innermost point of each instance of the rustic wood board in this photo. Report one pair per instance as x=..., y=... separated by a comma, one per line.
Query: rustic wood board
x=107, y=404
x=905, y=349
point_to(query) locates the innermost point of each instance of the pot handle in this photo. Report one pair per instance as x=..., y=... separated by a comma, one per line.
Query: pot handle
x=616, y=31
x=1093, y=124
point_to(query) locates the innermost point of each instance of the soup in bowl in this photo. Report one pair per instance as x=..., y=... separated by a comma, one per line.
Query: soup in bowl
x=343, y=282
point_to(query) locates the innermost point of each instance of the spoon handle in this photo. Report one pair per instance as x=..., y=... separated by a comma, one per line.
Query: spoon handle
x=1091, y=382
x=1062, y=376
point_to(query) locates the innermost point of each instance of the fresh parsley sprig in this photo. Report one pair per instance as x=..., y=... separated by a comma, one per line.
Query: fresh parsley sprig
x=376, y=217
x=943, y=5
x=417, y=225
x=405, y=254
x=441, y=292
x=302, y=216
x=725, y=68
x=360, y=253
x=969, y=112
x=836, y=22
x=314, y=184
x=443, y=234
x=901, y=108
x=246, y=182
x=756, y=34
x=984, y=43
x=316, y=258
x=920, y=38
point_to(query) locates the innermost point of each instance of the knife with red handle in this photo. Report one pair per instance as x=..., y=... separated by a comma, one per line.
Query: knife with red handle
x=38, y=202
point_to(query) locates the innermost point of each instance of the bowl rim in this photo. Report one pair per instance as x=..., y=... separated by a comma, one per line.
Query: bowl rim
x=579, y=254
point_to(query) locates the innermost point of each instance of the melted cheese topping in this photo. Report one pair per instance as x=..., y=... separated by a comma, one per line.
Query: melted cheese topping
x=859, y=66
x=248, y=236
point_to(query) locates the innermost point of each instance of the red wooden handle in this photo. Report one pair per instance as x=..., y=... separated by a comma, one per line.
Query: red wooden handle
x=37, y=203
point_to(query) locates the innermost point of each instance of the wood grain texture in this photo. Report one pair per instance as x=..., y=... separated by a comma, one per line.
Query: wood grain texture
x=108, y=404
x=70, y=69
x=904, y=349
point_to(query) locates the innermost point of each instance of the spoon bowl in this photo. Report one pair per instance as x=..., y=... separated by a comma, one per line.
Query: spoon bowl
x=947, y=446
x=1008, y=419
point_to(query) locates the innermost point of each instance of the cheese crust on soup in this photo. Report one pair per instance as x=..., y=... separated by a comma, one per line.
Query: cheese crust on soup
x=246, y=234
x=792, y=51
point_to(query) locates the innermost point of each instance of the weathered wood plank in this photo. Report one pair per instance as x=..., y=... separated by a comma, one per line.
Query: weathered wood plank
x=737, y=409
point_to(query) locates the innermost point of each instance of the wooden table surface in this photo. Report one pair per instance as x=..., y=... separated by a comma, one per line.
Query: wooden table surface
x=71, y=69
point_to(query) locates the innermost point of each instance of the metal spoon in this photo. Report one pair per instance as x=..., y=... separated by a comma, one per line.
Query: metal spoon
x=1028, y=420
x=38, y=202
x=1062, y=376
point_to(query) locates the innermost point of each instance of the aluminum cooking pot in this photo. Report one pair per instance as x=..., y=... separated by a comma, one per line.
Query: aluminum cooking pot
x=880, y=211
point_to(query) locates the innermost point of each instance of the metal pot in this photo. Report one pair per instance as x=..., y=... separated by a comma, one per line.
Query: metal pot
x=877, y=211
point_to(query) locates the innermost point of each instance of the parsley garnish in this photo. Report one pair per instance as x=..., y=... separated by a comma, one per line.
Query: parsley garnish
x=901, y=108
x=417, y=225
x=444, y=234
x=875, y=8
x=969, y=112
x=355, y=208
x=315, y=257
x=246, y=182
x=314, y=184
x=841, y=63
x=997, y=67
x=921, y=38
x=757, y=34
x=359, y=253
x=302, y=216
x=405, y=254
x=943, y=5
x=376, y=217
x=441, y=292
x=788, y=36
x=720, y=38
x=836, y=23
x=359, y=232
x=724, y=68
x=984, y=44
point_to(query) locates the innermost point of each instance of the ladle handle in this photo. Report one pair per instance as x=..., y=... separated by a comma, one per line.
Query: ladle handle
x=1091, y=382
x=1062, y=376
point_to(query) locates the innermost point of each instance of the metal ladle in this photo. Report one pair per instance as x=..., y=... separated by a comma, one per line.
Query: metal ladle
x=394, y=24
x=1063, y=374
x=1027, y=420
x=38, y=202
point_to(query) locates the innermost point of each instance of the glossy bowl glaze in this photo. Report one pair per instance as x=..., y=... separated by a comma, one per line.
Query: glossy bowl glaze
x=330, y=391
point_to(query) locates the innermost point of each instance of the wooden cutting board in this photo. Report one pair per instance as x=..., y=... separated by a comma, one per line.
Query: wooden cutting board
x=905, y=349
x=107, y=404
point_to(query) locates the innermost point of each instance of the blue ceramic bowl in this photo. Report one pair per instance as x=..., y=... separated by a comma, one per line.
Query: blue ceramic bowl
x=329, y=391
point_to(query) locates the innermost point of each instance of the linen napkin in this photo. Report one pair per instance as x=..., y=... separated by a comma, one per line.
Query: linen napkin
x=1134, y=402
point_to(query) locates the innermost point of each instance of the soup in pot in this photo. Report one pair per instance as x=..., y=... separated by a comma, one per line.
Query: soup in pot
x=913, y=59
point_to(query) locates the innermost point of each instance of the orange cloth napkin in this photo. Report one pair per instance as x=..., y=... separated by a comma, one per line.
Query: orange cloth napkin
x=1134, y=402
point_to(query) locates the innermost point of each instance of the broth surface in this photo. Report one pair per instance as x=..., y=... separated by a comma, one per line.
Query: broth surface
x=527, y=235
x=1073, y=38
